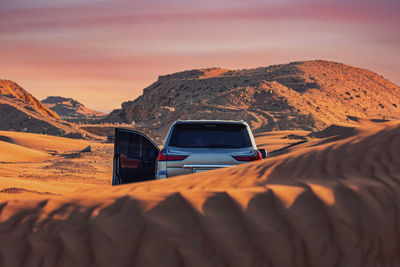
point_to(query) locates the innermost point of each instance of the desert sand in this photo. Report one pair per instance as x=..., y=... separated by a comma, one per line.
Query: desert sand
x=332, y=201
x=42, y=164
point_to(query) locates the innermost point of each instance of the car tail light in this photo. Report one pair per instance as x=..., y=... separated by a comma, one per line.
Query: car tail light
x=162, y=156
x=256, y=156
x=176, y=157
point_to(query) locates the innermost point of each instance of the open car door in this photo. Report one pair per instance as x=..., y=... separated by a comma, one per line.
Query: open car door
x=135, y=157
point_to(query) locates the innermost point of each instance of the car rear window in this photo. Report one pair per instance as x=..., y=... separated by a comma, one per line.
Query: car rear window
x=210, y=136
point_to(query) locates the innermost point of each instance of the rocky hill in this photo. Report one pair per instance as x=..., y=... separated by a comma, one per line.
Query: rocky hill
x=70, y=109
x=11, y=90
x=20, y=111
x=301, y=95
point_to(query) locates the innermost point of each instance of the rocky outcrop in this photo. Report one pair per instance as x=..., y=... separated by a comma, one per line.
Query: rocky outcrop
x=306, y=95
x=20, y=111
x=11, y=90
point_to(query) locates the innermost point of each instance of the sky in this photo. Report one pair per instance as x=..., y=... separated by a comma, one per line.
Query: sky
x=105, y=52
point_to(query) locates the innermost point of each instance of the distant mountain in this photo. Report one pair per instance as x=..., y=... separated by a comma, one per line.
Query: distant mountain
x=70, y=109
x=301, y=95
x=20, y=111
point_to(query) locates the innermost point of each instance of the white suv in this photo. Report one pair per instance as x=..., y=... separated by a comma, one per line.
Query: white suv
x=190, y=147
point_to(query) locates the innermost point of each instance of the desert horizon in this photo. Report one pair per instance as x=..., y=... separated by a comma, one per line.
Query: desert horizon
x=103, y=110
x=214, y=133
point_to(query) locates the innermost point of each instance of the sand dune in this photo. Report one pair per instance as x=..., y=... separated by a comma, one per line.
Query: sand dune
x=15, y=153
x=336, y=204
x=29, y=147
x=43, y=142
x=281, y=140
x=36, y=164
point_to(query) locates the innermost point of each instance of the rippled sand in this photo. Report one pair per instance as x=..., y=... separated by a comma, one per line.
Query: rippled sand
x=327, y=204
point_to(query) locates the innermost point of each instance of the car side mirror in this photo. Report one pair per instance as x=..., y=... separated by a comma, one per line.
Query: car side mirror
x=263, y=153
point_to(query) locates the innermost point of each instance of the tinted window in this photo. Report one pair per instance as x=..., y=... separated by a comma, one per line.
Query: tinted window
x=210, y=135
x=136, y=146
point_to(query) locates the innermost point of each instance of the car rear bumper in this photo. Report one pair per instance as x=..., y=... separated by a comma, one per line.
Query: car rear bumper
x=206, y=166
x=189, y=169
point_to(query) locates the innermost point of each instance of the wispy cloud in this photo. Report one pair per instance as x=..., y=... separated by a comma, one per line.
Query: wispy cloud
x=47, y=18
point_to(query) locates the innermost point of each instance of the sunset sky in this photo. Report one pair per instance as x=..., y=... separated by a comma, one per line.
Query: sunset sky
x=104, y=52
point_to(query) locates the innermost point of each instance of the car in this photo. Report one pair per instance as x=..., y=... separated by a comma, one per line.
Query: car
x=191, y=146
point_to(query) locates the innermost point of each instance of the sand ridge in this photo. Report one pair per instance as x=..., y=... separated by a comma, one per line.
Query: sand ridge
x=329, y=205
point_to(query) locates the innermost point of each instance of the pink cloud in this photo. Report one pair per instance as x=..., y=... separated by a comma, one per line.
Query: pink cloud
x=120, y=15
